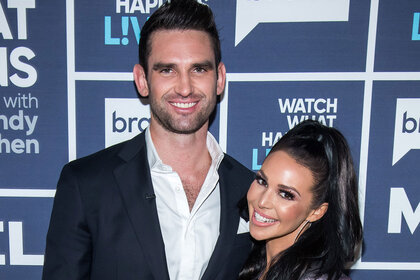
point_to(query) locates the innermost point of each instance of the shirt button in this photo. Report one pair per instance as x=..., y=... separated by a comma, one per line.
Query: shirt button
x=177, y=189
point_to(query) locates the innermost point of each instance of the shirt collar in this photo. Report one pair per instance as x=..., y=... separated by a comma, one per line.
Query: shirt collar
x=155, y=163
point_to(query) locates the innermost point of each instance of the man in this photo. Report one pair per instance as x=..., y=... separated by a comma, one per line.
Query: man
x=162, y=205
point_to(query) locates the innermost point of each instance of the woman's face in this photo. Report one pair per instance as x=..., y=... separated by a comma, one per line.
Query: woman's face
x=279, y=200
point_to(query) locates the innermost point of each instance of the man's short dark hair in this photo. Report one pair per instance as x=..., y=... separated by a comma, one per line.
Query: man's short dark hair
x=181, y=15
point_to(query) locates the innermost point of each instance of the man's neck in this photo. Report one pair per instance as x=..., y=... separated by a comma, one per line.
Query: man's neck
x=180, y=150
x=188, y=156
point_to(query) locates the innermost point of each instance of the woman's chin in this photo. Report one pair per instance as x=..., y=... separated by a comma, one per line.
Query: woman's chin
x=256, y=235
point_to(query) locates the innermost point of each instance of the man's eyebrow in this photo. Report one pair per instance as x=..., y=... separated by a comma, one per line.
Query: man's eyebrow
x=207, y=64
x=204, y=64
x=160, y=65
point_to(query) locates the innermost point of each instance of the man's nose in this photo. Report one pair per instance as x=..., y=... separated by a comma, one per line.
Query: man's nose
x=184, y=85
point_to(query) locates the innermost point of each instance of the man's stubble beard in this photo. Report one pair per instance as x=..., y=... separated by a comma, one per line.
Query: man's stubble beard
x=178, y=126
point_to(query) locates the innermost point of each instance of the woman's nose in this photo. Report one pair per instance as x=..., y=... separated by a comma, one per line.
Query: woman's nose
x=265, y=200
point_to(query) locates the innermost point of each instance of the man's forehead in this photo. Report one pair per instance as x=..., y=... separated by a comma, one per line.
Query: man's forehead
x=164, y=43
x=177, y=32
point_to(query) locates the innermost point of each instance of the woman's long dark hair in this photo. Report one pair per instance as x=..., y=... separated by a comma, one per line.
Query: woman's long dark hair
x=332, y=241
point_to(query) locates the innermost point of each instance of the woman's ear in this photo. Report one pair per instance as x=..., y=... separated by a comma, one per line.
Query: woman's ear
x=318, y=213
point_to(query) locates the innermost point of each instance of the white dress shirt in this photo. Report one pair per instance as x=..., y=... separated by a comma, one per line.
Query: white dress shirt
x=189, y=237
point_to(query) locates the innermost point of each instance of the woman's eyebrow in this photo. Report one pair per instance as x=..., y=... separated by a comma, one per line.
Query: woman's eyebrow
x=282, y=186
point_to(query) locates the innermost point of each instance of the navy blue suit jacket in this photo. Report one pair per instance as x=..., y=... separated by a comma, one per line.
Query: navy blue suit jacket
x=104, y=223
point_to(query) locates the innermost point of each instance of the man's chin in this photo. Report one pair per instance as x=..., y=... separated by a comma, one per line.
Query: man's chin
x=184, y=130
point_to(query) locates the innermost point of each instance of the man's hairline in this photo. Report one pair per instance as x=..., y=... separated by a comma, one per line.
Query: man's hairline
x=150, y=37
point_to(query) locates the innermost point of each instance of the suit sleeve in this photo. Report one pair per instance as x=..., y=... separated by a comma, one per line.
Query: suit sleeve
x=69, y=247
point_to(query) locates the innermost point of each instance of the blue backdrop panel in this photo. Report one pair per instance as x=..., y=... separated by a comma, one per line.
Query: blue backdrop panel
x=33, y=94
x=107, y=38
x=270, y=109
x=22, y=240
x=398, y=39
x=90, y=123
x=296, y=46
x=401, y=246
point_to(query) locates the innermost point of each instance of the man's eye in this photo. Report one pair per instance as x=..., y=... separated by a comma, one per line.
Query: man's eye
x=166, y=70
x=199, y=70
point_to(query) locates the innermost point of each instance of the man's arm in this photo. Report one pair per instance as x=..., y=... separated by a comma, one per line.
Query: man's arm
x=69, y=247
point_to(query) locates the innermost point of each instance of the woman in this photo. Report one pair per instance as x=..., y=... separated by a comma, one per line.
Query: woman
x=303, y=208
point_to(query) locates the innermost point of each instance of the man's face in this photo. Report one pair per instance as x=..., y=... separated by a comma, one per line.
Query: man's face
x=182, y=80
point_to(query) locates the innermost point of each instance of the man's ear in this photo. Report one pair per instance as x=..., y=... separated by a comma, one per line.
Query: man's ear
x=318, y=213
x=140, y=80
x=221, y=78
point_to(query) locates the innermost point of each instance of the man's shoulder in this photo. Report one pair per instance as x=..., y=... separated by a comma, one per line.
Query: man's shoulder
x=108, y=156
x=233, y=168
x=230, y=162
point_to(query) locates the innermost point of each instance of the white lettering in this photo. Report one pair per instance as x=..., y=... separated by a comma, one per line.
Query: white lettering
x=137, y=6
x=131, y=6
x=332, y=105
x=20, y=122
x=330, y=119
x=31, y=123
x=122, y=3
x=19, y=65
x=17, y=257
x=151, y=4
x=309, y=101
x=287, y=106
x=317, y=109
x=2, y=257
x=307, y=105
x=266, y=139
x=4, y=25
x=294, y=120
x=21, y=101
x=400, y=206
x=300, y=106
x=4, y=81
x=19, y=146
x=16, y=121
x=21, y=6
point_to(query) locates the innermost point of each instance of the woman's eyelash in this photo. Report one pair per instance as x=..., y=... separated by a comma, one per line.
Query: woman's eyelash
x=286, y=195
x=283, y=193
x=260, y=180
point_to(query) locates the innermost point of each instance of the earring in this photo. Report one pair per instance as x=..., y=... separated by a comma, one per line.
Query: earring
x=300, y=231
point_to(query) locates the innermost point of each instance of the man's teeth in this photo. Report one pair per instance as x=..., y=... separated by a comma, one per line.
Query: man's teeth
x=262, y=219
x=184, y=105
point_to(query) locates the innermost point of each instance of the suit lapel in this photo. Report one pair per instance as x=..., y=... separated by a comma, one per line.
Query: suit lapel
x=135, y=185
x=229, y=221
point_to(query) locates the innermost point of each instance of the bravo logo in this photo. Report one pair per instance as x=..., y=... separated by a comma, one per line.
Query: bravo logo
x=249, y=13
x=407, y=127
x=124, y=119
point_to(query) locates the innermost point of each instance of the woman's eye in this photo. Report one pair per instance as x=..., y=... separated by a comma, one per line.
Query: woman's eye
x=260, y=181
x=286, y=195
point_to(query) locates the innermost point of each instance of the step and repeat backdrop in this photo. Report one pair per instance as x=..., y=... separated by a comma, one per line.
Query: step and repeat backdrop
x=66, y=90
